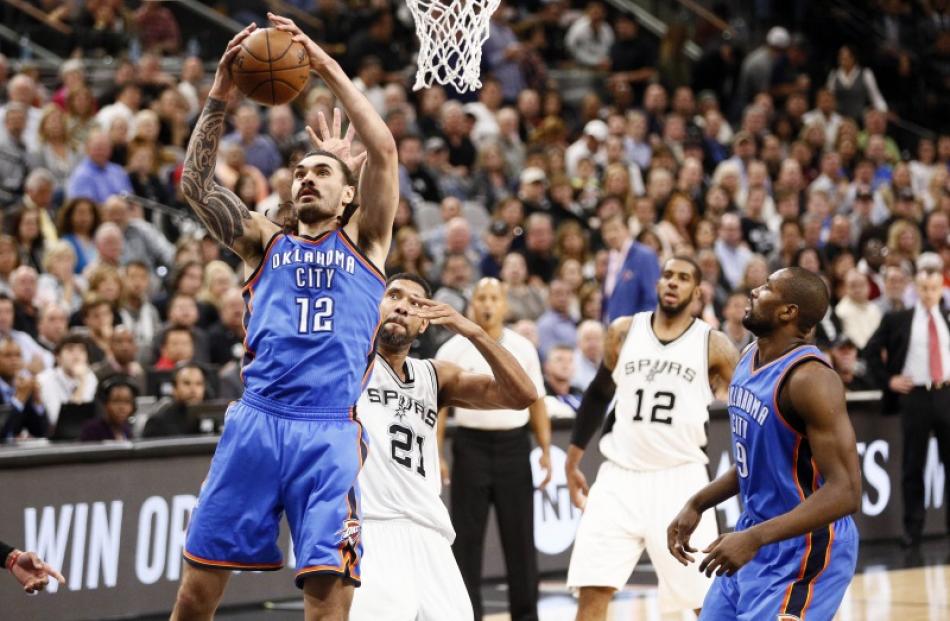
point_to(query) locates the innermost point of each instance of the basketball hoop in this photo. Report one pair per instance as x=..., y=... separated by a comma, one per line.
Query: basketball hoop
x=451, y=34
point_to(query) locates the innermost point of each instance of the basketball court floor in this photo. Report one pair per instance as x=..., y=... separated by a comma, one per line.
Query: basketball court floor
x=892, y=585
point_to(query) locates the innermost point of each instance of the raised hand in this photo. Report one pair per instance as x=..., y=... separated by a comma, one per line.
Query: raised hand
x=443, y=315
x=318, y=57
x=31, y=572
x=223, y=81
x=331, y=140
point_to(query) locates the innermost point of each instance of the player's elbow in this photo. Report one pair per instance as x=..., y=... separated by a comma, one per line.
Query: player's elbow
x=851, y=495
x=527, y=398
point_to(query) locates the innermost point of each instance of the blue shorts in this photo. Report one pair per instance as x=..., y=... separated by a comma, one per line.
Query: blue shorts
x=269, y=461
x=801, y=579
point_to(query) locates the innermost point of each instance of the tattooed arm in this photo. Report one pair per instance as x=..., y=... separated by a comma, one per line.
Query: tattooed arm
x=225, y=216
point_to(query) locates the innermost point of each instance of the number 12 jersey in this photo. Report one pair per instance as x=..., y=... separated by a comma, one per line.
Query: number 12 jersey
x=662, y=398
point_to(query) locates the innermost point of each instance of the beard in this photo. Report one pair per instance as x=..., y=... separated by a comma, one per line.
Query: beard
x=758, y=326
x=395, y=339
x=675, y=310
x=310, y=213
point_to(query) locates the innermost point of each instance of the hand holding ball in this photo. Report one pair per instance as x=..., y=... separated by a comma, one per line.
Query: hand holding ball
x=270, y=67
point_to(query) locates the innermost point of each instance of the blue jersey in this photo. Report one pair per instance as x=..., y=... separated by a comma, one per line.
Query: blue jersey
x=311, y=314
x=773, y=458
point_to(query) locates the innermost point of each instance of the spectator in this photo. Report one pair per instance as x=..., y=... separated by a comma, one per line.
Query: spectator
x=825, y=113
x=732, y=314
x=109, y=248
x=416, y=181
x=589, y=353
x=894, y=296
x=462, y=151
x=556, y=326
x=408, y=254
x=116, y=398
x=756, y=74
x=674, y=66
x=24, y=227
x=157, y=27
x=19, y=390
x=38, y=196
x=98, y=319
x=532, y=188
x=859, y=317
x=51, y=327
x=95, y=177
x=171, y=418
x=503, y=53
x=21, y=91
x=35, y=358
x=632, y=56
x=126, y=105
x=525, y=300
x=590, y=38
x=539, y=247
x=177, y=346
x=590, y=145
x=377, y=39
x=498, y=240
x=23, y=282
x=561, y=397
x=259, y=149
x=14, y=162
x=851, y=369
x=632, y=272
x=122, y=359
x=732, y=252
x=141, y=240
x=183, y=311
x=226, y=336
x=854, y=86
x=77, y=222
x=57, y=153
x=71, y=380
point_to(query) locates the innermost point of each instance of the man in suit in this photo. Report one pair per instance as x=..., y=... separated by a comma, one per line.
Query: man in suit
x=909, y=355
x=20, y=391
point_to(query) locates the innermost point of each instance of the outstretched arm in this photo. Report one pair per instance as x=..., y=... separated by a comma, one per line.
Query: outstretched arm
x=509, y=388
x=815, y=393
x=225, y=216
x=379, y=180
x=591, y=412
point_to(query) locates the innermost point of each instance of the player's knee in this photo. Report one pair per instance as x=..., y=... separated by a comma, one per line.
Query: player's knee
x=196, y=599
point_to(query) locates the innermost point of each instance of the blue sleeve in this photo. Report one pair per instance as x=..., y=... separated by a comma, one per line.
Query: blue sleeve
x=648, y=269
x=78, y=186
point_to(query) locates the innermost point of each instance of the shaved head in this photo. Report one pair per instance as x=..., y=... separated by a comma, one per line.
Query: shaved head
x=807, y=291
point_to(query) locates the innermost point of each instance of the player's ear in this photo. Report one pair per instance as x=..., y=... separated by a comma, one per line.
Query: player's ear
x=349, y=193
x=789, y=314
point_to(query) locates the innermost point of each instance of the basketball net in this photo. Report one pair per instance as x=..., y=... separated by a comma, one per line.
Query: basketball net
x=451, y=34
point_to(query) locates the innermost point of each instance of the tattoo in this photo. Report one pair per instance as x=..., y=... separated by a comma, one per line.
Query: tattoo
x=221, y=211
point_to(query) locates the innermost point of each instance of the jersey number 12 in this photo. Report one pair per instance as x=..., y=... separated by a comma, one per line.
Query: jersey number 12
x=321, y=320
x=662, y=402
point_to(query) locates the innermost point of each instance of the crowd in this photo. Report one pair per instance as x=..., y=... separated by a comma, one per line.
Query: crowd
x=749, y=159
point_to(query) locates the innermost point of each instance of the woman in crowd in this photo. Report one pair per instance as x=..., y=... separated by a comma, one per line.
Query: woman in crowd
x=525, y=301
x=491, y=181
x=116, y=401
x=60, y=282
x=678, y=225
x=408, y=254
x=77, y=223
x=80, y=113
x=218, y=278
x=854, y=86
x=904, y=242
x=24, y=226
x=57, y=151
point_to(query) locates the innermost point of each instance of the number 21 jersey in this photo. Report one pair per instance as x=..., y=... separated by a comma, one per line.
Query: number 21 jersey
x=662, y=395
x=311, y=314
x=401, y=478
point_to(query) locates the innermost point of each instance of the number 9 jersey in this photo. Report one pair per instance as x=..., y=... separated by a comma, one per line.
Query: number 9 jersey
x=311, y=314
x=663, y=396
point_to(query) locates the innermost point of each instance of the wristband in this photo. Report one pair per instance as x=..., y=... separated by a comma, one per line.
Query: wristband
x=11, y=560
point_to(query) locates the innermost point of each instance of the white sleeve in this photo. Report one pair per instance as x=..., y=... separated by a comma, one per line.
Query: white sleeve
x=877, y=100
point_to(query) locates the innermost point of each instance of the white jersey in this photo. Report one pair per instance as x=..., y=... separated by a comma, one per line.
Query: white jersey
x=662, y=398
x=401, y=478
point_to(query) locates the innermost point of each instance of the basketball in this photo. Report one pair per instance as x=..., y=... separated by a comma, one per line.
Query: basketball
x=271, y=68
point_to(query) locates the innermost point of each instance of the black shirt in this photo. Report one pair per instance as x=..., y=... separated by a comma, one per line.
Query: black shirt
x=171, y=419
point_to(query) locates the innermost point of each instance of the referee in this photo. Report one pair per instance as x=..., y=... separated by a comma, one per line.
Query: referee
x=490, y=462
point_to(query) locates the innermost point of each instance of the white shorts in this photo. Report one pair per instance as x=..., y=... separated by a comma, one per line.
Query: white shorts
x=629, y=510
x=408, y=573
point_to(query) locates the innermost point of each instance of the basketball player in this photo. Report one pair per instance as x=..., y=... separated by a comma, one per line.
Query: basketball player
x=409, y=572
x=664, y=367
x=794, y=548
x=293, y=443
